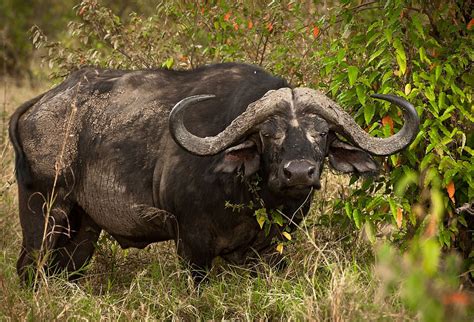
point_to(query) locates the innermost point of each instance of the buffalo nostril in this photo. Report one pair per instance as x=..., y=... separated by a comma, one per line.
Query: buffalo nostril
x=311, y=171
x=287, y=173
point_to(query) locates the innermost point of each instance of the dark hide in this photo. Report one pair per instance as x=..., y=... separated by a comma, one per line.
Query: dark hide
x=104, y=134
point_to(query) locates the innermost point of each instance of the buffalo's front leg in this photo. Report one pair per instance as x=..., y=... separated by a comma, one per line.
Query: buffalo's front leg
x=196, y=252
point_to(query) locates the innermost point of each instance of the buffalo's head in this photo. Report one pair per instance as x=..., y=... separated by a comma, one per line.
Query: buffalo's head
x=287, y=134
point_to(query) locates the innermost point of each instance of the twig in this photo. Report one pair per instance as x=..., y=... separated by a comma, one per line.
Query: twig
x=467, y=207
x=267, y=38
x=4, y=105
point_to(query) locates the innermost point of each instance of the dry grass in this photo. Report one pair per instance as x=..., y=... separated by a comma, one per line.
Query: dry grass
x=329, y=276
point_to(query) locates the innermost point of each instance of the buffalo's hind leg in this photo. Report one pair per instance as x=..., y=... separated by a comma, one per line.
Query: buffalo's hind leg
x=75, y=248
x=39, y=225
x=66, y=241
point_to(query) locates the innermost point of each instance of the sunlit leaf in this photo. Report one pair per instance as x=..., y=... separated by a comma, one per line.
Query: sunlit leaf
x=348, y=209
x=261, y=221
x=279, y=248
x=450, y=188
x=399, y=217
x=261, y=215
x=316, y=31
x=400, y=55
x=407, y=89
x=287, y=235
x=357, y=219
x=376, y=54
x=168, y=63
x=352, y=72
x=370, y=231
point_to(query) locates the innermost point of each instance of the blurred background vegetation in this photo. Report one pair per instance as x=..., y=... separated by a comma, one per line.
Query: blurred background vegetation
x=420, y=209
x=52, y=17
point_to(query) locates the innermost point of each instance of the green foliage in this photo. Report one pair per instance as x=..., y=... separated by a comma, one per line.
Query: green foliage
x=16, y=18
x=416, y=52
x=51, y=17
x=266, y=218
x=12, y=31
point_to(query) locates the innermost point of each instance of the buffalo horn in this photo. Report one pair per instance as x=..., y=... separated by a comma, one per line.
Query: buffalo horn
x=255, y=113
x=342, y=123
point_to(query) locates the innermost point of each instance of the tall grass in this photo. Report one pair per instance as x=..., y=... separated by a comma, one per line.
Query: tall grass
x=330, y=274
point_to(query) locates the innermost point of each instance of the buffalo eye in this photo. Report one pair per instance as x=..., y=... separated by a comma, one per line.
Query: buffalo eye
x=323, y=134
x=273, y=135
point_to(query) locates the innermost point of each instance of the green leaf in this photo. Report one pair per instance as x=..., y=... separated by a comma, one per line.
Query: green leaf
x=462, y=221
x=370, y=231
x=357, y=217
x=418, y=26
x=376, y=54
x=340, y=55
x=423, y=56
x=361, y=94
x=352, y=72
x=168, y=63
x=369, y=112
x=388, y=34
x=387, y=76
x=407, y=89
x=400, y=55
x=277, y=218
x=449, y=70
x=394, y=159
x=261, y=215
x=457, y=90
x=393, y=208
x=348, y=209
x=429, y=93
x=441, y=100
x=438, y=70
x=431, y=253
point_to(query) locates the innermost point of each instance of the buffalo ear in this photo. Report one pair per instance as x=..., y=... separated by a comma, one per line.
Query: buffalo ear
x=347, y=158
x=243, y=156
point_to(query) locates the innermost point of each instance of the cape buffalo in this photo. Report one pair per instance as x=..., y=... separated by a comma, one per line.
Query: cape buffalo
x=155, y=155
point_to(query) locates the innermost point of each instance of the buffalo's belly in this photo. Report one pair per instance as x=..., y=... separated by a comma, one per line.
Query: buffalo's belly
x=118, y=209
